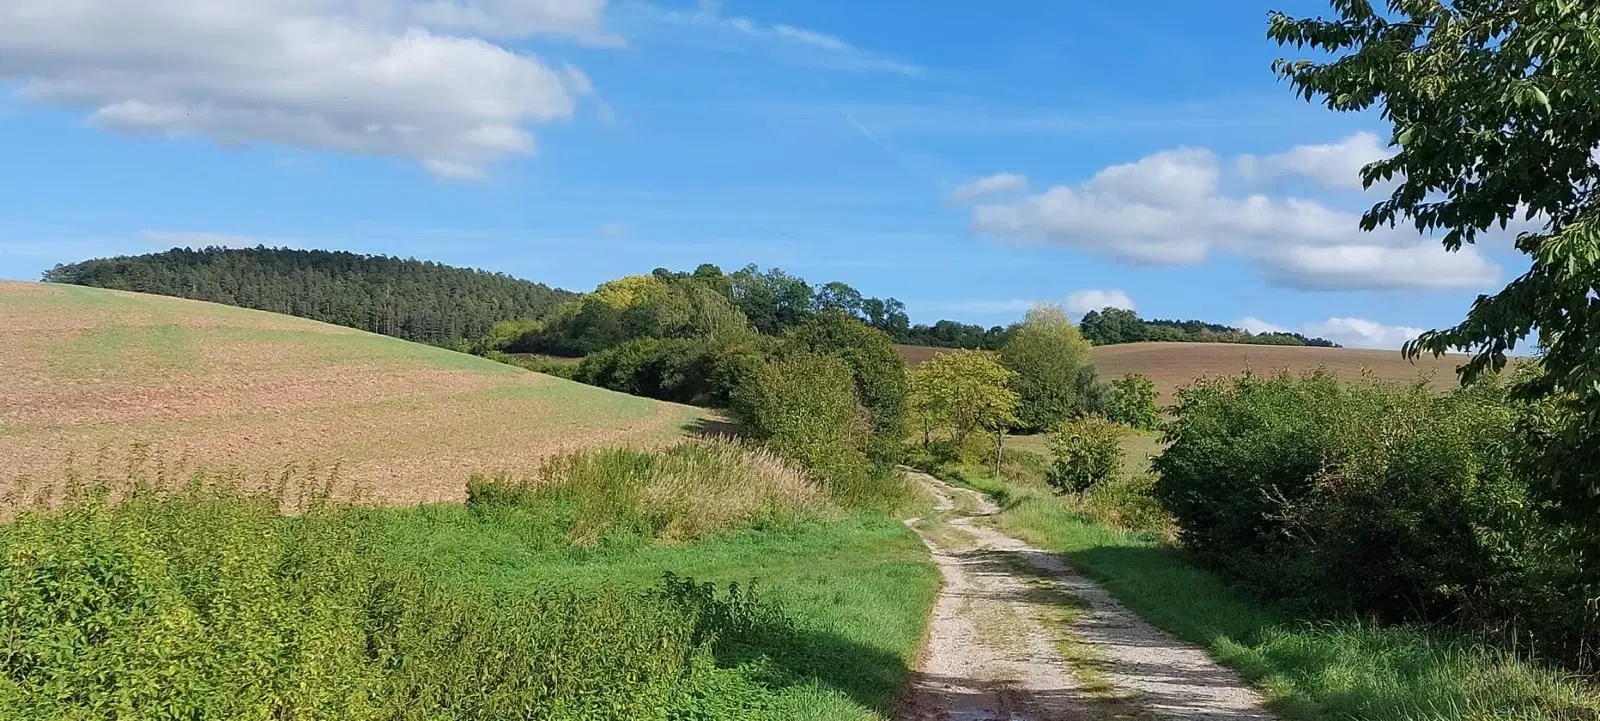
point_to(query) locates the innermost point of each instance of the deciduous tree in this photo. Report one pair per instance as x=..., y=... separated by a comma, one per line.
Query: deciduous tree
x=1495, y=114
x=964, y=391
x=1047, y=354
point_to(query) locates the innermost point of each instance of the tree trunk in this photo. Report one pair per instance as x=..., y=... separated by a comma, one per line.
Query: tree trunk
x=999, y=449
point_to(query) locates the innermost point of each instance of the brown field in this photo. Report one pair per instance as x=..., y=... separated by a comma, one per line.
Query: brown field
x=1172, y=365
x=90, y=378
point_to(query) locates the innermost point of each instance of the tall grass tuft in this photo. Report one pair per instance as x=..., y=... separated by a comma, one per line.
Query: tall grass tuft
x=685, y=492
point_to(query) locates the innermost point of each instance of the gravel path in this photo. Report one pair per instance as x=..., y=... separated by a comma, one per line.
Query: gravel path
x=1018, y=635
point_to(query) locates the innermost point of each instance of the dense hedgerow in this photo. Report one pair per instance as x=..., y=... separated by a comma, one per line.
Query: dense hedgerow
x=1380, y=499
x=700, y=371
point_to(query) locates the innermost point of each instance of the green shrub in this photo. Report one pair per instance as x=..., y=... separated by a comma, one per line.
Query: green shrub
x=1127, y=501
x=876, y=369
x=1377, y=498
x=1085, y=453
x=804, y=408
x=1132, y=402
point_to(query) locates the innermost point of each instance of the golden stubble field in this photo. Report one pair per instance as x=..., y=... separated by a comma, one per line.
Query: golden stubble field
x=91, y=378
x=1173, y=365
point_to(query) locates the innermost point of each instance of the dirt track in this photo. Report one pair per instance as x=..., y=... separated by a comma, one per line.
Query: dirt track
x=1017, y=635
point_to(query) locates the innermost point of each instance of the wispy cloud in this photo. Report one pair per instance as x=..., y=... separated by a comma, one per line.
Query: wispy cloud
x=962, y=116
x=988, y=185
x=801, y=46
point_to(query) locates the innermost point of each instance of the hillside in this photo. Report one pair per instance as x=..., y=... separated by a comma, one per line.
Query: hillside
x=411, y=299
x=90, y=372
x=1172, y=365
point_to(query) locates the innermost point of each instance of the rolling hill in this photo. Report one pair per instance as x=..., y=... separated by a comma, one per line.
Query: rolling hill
x=91, y=375
x=1172, y=365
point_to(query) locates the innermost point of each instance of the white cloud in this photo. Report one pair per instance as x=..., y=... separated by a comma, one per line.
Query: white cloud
x=370, y=77
x=579, y=19
x=989, y=185
x=1084, y=301
x=1076, y=303
x=1374, y=267
x=1336, y=165
x=1257, y=325
x=1350, y=332
x=800, y=46
x=1169, y=208
x=1362, y=333
x=613, y=230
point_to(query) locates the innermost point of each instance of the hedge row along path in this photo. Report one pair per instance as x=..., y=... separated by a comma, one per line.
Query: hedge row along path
x=1017, y=635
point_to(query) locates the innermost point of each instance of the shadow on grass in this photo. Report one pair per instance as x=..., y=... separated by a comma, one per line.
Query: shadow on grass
x=713, y=427
x=775, y=653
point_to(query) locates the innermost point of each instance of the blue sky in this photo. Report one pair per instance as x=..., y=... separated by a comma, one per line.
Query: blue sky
x=969, y=161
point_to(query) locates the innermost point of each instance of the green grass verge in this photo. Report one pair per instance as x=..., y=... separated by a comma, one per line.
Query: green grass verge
x=1309, y=671
x=858, y=590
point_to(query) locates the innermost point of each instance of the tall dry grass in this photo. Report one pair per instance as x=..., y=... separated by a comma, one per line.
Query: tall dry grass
x=114, y=475
x=685, y=492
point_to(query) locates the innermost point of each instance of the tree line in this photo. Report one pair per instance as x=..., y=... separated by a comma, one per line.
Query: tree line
x=1110, y=326
x=438, y=304
x=416, y=300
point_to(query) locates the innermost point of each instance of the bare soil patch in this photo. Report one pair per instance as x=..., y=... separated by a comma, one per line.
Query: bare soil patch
x=93, y=377
x=1172, y=365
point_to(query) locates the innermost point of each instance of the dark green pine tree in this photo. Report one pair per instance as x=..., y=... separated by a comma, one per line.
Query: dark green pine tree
x=415, y=300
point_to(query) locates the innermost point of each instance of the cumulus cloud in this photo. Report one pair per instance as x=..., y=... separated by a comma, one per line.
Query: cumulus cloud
x=377, y=77
x=1334, y=165
x=1351, y=332
x=1169, y=208
x=1376, y=267
x=989, y=185
x=1084, y=301
x=579, y=19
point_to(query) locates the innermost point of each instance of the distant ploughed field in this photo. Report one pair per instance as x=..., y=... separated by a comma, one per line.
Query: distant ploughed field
x=1172, y=365
x=87, y=375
